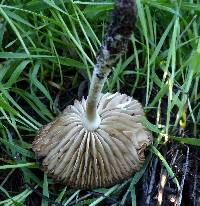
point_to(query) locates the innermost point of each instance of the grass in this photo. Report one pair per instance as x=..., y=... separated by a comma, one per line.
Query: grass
x=47, y=53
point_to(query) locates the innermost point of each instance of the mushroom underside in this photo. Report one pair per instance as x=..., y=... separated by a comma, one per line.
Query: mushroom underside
x=90, y=159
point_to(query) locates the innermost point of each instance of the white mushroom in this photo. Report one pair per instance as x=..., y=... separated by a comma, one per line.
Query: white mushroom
x=100, y=141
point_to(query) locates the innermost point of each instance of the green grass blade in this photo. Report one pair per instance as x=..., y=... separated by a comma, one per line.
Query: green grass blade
x=15, y=30
x=168, y=168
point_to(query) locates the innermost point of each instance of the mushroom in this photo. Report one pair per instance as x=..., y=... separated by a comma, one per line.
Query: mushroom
x=100, y=141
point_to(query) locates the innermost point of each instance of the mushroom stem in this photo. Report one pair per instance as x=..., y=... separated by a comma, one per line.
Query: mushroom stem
x=114, y=44
x=99, y=76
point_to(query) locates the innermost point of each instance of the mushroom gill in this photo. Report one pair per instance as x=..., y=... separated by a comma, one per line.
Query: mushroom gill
x=99, y=158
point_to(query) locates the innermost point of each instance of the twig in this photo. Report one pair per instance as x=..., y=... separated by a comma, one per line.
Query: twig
x=175, y=157
x=163, y=181
x=152, y=181
x=195, y=184
x=185, y=169
x=145, y=186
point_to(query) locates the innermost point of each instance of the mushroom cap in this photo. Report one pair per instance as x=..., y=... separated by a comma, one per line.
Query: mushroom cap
x=100, y=158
